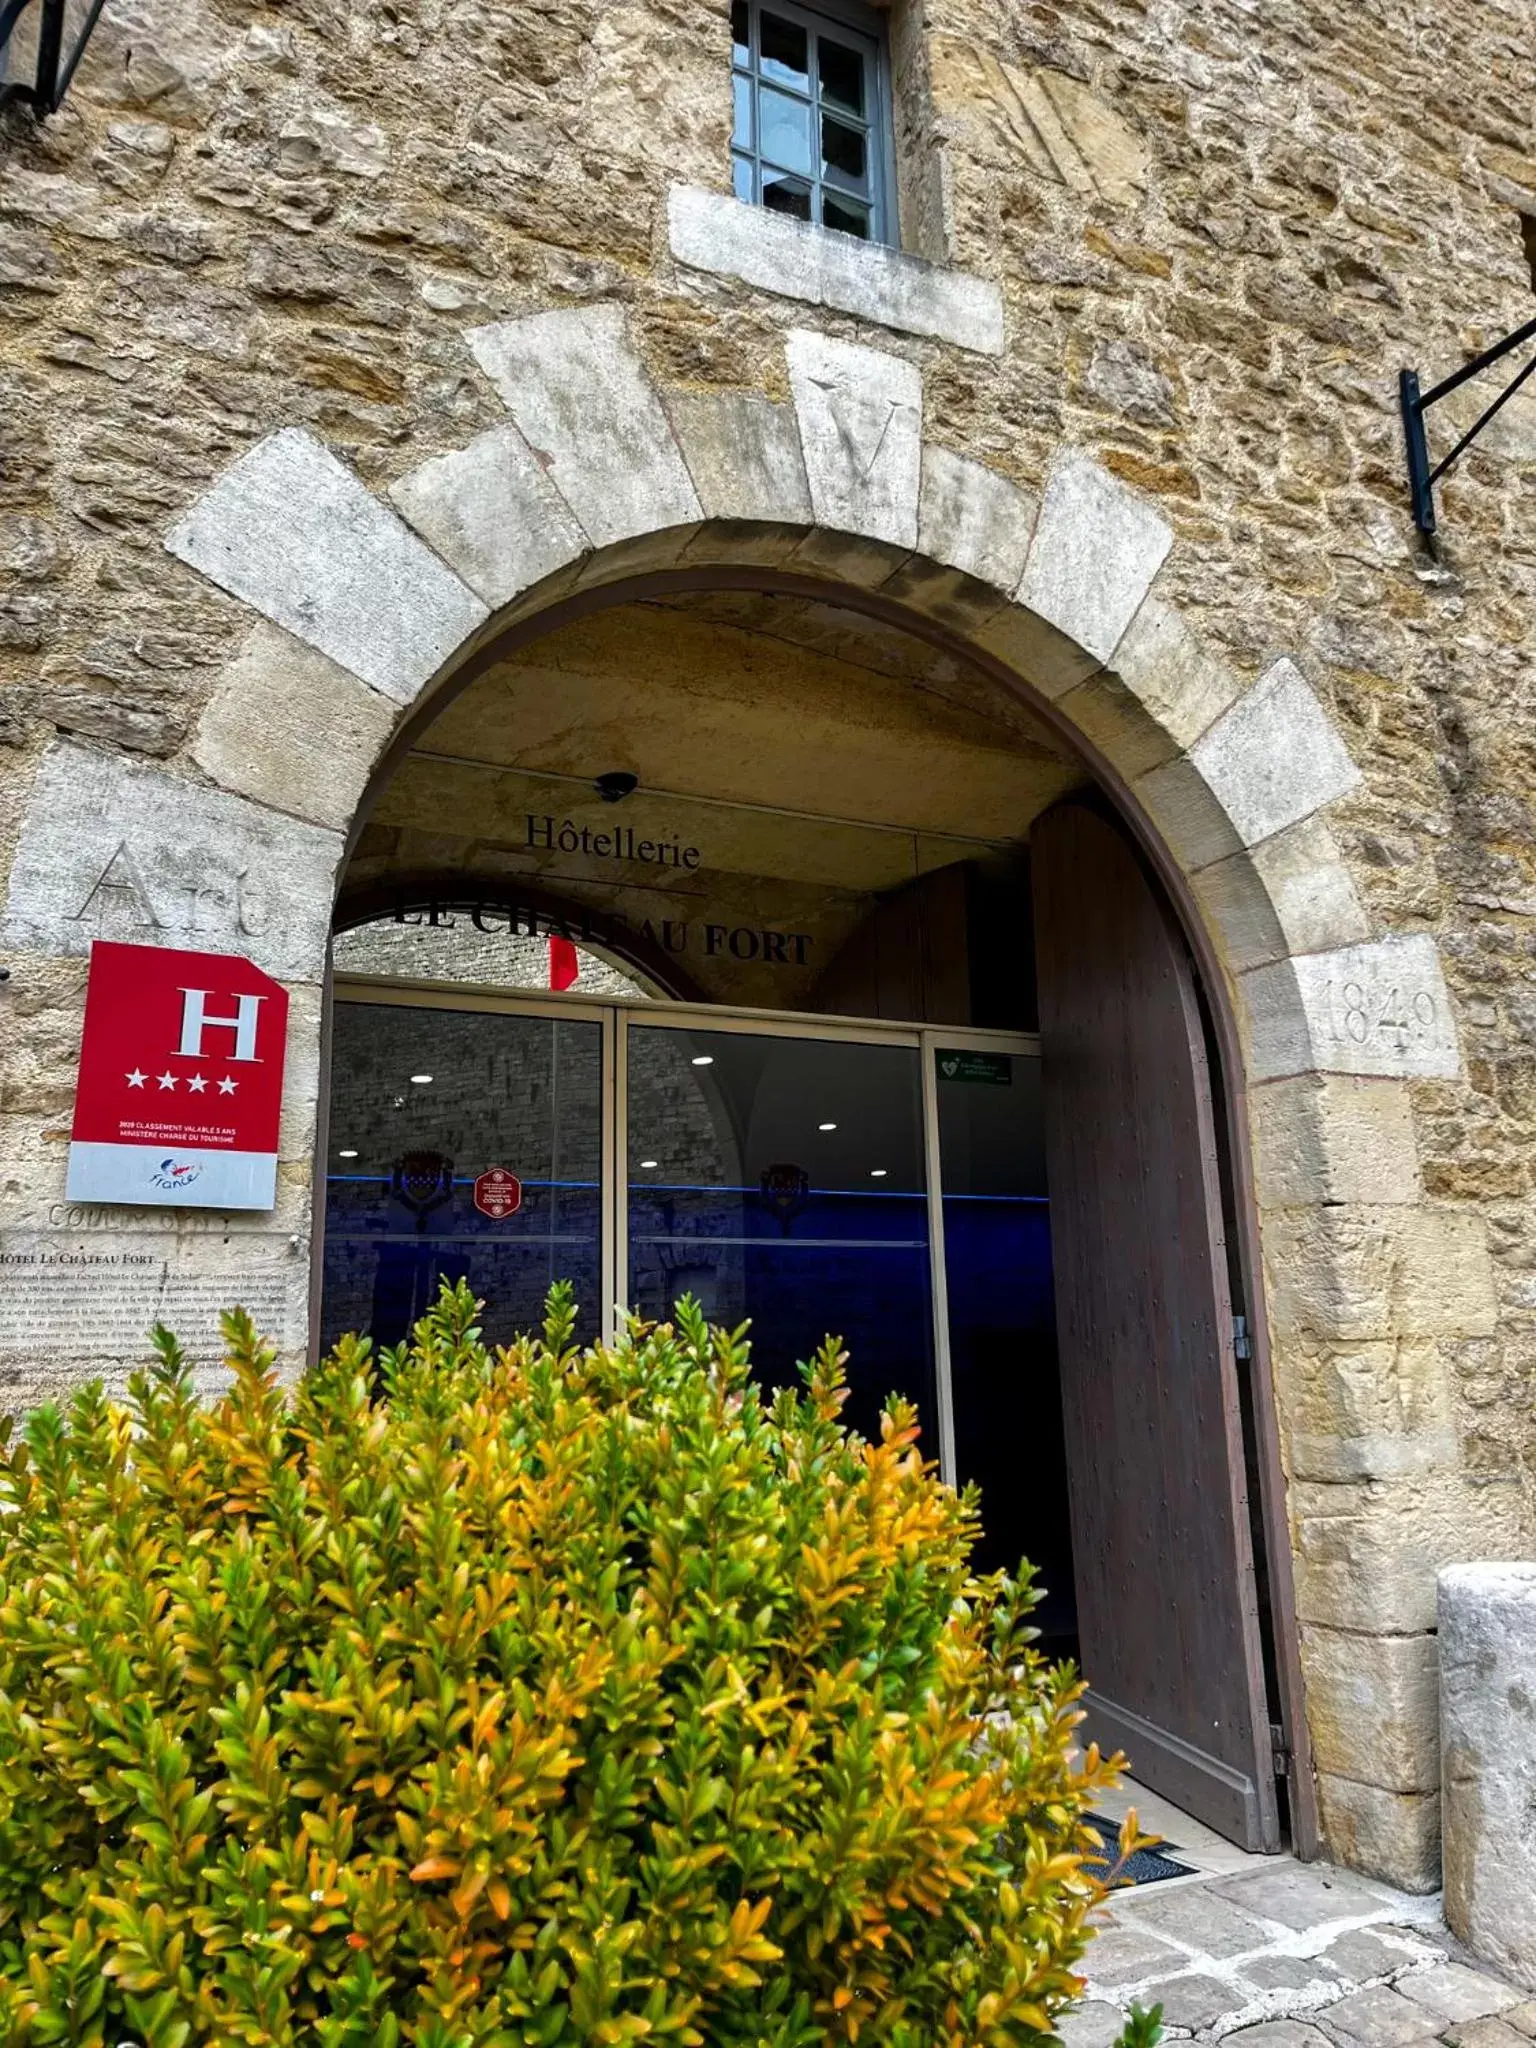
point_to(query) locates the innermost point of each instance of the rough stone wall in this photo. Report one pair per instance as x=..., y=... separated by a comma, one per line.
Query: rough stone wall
x=406, y=952
x=1220, y=229
x=1218, y=299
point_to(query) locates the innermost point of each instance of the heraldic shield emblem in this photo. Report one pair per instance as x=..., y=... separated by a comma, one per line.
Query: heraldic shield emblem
x=785, y=1190
x=423, y=1181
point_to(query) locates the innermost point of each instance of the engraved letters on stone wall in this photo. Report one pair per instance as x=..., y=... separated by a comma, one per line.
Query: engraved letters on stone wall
x=114, y=849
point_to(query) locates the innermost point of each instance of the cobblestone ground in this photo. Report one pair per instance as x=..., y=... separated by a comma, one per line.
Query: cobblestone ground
x=1264, y=1952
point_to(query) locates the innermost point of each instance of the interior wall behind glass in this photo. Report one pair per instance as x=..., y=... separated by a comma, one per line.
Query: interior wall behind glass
x=1009, y=1436
x=423, y=1102
x=781, y=1180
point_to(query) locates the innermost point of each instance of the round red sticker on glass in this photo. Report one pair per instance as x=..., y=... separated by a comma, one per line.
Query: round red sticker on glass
x=498, y=1194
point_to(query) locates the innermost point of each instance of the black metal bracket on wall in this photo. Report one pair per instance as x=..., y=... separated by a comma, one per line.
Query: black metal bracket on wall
x=52, y=65
x=1421, y=478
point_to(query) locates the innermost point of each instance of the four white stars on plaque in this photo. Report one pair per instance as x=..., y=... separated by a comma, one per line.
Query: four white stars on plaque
x=196, y=1083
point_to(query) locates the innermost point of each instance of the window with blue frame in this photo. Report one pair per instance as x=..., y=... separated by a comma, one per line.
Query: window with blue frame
x=812, y=134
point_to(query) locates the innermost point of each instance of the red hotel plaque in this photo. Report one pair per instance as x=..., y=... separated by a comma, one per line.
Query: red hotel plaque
x=181, y=1080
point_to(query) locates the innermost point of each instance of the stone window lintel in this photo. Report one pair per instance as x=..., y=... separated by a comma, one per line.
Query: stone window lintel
x=726, y=236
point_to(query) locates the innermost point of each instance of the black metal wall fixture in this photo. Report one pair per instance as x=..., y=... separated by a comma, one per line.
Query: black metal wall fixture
x=1421, y=478
x=41, y=42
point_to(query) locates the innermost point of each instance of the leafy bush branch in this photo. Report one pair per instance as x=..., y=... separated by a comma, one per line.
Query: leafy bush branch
x=544, y=1697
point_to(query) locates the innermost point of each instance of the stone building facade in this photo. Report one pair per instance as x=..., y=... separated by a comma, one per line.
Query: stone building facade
x=340, y=342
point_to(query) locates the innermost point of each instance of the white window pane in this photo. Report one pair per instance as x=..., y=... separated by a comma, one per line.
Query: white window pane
x=741, y=88
x=741, y=178
x=786, y=130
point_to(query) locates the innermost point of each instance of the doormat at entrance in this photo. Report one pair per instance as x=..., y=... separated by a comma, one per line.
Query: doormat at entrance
x=1147, y=1866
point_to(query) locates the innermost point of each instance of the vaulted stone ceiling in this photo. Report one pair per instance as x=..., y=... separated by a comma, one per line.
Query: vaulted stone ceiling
x=797, y=763
x=752, y=698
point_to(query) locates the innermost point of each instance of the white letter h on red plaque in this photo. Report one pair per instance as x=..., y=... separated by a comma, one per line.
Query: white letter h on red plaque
x=195, y=1020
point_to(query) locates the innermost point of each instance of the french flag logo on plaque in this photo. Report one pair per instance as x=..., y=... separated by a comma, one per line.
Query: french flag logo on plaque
x=181, y=1080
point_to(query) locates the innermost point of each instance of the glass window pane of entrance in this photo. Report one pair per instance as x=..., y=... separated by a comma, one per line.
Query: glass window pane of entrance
x=1002, y=1319
x=782, y=1179
x=405, y=1153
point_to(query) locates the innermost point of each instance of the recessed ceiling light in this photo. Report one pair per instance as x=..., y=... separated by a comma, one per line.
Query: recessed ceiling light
x=647, y=1163
x=349, y=1154
x=826, y=1127
x=704, y=1059
x=877, y=1173
x=422, y=1080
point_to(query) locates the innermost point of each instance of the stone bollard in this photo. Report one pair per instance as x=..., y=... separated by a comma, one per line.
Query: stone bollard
x=1488, y=1760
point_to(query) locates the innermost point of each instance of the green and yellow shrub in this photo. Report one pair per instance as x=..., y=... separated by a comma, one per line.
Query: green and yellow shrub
x=547, y=1697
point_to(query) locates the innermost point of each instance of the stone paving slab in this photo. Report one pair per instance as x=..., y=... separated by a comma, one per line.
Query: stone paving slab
x=1301, y=1895
x=1096, y=2024
x=1454, y=1992
x=1283, y=2034
x=1295, y=1973
x=1367, y=1953
x=1122, y=1955
x=1489, y=2033
x=1377, y=2017
x=1190, y=2002
x=1292, y=1956
x=1196, y=1916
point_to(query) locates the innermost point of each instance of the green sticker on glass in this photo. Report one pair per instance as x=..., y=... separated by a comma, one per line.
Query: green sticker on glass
x=986, y=1069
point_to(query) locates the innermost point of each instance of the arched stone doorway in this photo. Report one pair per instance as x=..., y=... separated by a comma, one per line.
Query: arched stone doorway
x=832, y=817
x=599, y=478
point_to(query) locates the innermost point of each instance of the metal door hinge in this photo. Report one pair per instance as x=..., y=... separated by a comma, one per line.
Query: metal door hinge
x=1279, y=1750
x=1242, y=1343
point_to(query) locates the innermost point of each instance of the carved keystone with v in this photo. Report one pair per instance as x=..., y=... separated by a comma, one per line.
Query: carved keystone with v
x=861, y=426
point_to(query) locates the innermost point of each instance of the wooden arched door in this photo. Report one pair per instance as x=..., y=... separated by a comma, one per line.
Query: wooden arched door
x=1161, y=1536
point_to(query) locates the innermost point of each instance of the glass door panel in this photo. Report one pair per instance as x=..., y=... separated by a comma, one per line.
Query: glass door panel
x=1001, y=1314
x=424, y=1101
x=782, y=1179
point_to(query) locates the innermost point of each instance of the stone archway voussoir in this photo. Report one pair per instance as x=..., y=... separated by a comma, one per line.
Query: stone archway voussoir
x=973, y=534
x=292, y=532
x=1274, y=757
x=1267, y=762
x=584, y=403
x=1380, y=1007
x=1093, y=556
x=861, y=433
x=1096, y=550
x=491, y=512
x=1181, y=685
x=291, y=729
x=1290, y=894
x=119, y=848
x=743, y=453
